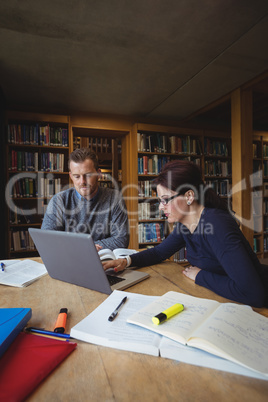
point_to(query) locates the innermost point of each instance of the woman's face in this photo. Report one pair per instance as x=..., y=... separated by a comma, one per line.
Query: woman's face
x=176, y=209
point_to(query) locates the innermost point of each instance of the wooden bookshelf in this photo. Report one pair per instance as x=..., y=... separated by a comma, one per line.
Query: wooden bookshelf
x=37, y=149
x=217, y=170
x=151, y=147
x=259, y=194
x=132, y=159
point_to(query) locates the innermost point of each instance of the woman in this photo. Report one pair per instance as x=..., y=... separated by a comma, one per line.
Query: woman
x=221, y=258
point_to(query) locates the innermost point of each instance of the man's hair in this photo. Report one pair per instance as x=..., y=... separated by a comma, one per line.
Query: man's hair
x=81, y=154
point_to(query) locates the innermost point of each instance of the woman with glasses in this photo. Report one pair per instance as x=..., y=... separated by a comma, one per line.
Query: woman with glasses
x=220, y=257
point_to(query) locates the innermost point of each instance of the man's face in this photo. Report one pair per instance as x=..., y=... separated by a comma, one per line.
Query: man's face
x=84, y=177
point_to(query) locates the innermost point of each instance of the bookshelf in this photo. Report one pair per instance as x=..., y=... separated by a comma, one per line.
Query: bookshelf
x=218, y=163
x=37, y=149
x=128, y=159
x=155, y=149
x=259, y=194
x=151, y=147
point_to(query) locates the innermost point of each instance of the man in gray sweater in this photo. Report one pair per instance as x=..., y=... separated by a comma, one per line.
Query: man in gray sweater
x=88, y=208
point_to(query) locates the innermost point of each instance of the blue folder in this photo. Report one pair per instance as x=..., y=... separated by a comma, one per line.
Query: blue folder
x=12, y=321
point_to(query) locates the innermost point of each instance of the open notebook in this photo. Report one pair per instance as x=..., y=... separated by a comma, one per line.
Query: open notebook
x=73, y=258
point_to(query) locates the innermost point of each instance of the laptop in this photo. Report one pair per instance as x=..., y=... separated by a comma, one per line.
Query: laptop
x=73, y=258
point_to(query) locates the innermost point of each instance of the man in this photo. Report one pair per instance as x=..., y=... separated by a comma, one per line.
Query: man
x=88, y=208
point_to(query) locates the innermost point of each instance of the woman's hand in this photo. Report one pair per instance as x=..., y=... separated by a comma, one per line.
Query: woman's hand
x=118, y=265
x=191, y=272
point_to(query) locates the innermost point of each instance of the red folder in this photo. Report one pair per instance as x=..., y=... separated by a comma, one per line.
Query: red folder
x=27, y=362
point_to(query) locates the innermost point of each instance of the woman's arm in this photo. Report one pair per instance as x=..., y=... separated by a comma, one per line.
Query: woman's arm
x=166, y=249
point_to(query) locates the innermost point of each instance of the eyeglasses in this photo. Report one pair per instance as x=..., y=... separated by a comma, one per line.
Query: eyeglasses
x=165, y=201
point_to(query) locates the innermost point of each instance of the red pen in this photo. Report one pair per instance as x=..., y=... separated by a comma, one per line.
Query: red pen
x=61, y=321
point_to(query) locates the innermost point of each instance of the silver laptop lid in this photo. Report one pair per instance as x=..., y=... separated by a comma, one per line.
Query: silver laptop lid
x=73, y=258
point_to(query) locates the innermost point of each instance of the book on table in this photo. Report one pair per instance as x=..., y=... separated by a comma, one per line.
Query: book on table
x=120, y=334
x=107, y=254
x=12, y=321
x=228, y=330
x=21, y=273
x=27, y=362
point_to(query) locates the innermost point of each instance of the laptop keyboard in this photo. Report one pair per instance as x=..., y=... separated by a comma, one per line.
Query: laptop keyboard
x=114, y=279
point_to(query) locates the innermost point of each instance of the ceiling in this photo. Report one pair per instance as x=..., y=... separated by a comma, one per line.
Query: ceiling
x=155, y=59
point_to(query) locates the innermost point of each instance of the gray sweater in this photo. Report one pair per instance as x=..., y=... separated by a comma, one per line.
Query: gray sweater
x=104, y=216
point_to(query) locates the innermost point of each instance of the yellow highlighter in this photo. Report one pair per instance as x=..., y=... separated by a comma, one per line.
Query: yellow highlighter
x=168, y=313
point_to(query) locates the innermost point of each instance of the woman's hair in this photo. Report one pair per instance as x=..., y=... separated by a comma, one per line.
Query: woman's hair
x=181, y=176
x=81, y=154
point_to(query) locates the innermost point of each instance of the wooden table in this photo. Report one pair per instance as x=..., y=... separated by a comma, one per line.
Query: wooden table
x=95, y=373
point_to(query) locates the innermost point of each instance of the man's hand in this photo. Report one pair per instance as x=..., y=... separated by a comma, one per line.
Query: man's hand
x=98, y=247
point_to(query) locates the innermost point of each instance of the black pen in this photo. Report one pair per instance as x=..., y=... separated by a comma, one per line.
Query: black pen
x=114, y=314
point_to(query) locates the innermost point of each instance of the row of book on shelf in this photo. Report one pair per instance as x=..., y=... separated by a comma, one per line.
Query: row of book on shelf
x=34, y=161
x=181, y=255
x=265, y=208
x=107, y=176
x=256, y=244
x=260, y=167
x=257, y=150
x=217, y=168
x=215, y=147
x=17, y=215
x=180, y=144
x=20, y=216
x=163, y=143
x=221, y=187
x=265, y=223
x=154, y=164
x=96, y=144
x=149, y=210
x=265, y=150
x=258, y=202
x=265, y=168
x=31, y=187
x=44, y=186
x=265, y=243
x=146, y=188
x=21, y=240
x=151, y=164
x=37, y=134
x=110, y=184
x=152, y=232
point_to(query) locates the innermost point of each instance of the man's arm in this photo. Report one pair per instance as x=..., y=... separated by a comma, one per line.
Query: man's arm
x=53, y=219
x=119, y=228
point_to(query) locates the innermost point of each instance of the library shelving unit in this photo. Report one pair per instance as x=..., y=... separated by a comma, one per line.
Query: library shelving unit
x=218, y=163
x=259, y=193
x=155, y=149
x=37, y=149
x=107, y=145
x=265, y=193
x=151, y=147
